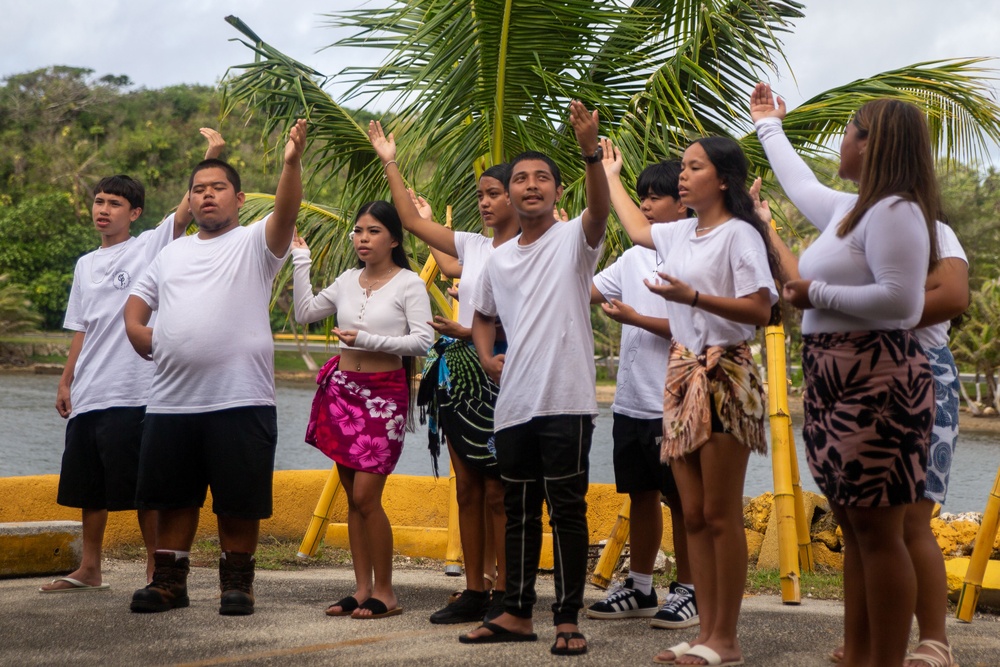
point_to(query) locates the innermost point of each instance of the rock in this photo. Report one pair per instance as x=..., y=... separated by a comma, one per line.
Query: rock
x=989, y=411
x=757, y=512
x=955, y=538
x=754, y=540
x=825, y=559
x=663, y=563
x=828, y=538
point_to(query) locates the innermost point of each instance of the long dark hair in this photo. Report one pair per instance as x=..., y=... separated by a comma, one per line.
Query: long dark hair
x=733, y=170
x=386, y=213
x=897, y=161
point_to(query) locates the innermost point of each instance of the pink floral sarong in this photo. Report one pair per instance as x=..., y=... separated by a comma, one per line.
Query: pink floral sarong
x=358, y=419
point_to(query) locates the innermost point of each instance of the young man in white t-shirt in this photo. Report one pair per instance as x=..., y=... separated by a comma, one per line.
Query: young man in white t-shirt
x=638, y=406
x=211, y=419
x=104, y=385
x=539, y=286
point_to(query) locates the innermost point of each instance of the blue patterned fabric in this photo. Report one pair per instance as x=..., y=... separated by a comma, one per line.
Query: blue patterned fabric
x=945, y=433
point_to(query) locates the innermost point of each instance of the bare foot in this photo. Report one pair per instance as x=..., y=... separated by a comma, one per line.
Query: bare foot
x=507, y=621
x=837, y=654
x=389, y=599
x=726, y=653
x=670, y=655
x=576, y=644
x=88, y=577
x=337, y=609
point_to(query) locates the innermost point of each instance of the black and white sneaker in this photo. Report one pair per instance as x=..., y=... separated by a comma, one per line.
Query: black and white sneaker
x=679, y=609
x=623, y=601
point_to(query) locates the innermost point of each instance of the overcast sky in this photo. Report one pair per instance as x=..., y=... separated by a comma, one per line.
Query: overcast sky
x=159, y=43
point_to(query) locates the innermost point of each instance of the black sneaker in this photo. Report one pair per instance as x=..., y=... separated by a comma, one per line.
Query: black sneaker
x=468, y=608
x=623, y=601
x=679, y=610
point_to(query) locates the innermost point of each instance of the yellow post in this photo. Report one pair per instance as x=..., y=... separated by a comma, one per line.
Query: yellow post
x=453, y=552
x=973, y=584
x=781, y=464
x=321, y=516
x=612, y=550
x=802, y=522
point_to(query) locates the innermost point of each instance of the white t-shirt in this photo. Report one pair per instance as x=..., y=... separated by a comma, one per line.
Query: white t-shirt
x=729, y=261
x=393, y=319
x=936, y=335
x=473, y=251
x=541, y=292
x=108, y=373
x=873, y=278
x=643, y=355
x=212, y=341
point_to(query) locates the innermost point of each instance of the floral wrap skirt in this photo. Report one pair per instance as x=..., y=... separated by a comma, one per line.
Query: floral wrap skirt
x=359, y=419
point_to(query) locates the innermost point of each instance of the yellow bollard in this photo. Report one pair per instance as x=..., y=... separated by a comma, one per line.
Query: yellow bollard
x=612, y=550
x=802, y=522
x=321, y=516
x=781, y=465
x=973, y=584
x=453, y=553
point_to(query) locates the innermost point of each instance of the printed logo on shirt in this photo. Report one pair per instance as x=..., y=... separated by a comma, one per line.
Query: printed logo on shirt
x=121, y=280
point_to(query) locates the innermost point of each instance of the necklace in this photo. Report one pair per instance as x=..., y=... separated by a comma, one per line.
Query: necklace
x=111, y=263
x=708, y=227
x=369, y=290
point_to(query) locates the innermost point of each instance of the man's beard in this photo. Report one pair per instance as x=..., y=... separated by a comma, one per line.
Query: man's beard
x=213, y=226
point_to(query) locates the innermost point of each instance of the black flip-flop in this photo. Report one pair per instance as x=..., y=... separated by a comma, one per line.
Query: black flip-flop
x=565, y=649
x=377, y=609
x=500, y=635
x=347, y=605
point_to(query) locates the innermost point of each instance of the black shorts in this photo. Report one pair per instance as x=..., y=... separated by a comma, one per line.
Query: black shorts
x=231, y=451
x=637, y=456
x=101, y=461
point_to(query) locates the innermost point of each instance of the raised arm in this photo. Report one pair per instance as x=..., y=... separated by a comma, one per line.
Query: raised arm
x=288, y=196
x=633, y=221
x=595, y=217
x=435, y=235
x=183, y=216
x=140, y=334
x=789, y=262
x=308, y=307
x=817, y=202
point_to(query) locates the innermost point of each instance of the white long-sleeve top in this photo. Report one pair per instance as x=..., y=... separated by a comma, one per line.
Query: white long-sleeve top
x=393, y=319
x=871, y=279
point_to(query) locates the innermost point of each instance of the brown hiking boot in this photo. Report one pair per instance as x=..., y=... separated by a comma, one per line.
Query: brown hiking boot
x=236, y=571
x=169, y=587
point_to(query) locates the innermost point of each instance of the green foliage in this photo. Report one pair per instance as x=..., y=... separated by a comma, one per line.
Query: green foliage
x=16, y=314
x=976, y=344
x=43, y=237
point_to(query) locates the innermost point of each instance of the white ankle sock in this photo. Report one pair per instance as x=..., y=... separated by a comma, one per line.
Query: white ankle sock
x=641, y=582
x=177, y=554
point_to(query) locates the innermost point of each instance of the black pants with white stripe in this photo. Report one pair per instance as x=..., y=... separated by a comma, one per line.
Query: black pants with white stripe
x=546, y=459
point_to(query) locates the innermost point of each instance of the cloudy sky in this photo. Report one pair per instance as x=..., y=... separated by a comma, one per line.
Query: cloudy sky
x=158, y=43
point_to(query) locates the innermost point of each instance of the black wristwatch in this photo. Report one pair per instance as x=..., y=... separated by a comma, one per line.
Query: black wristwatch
x=596, y=157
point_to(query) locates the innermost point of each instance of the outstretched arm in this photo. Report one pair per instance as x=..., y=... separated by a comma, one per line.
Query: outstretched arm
x=633, y=221
x=183, y=216
x=595, y=217
x=435, y=235
x=288, y=196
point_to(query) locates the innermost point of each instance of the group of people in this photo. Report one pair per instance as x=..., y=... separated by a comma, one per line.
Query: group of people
x=509, y=386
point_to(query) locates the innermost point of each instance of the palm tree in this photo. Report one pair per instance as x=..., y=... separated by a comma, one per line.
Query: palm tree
x=480, y=81
x=16, y=313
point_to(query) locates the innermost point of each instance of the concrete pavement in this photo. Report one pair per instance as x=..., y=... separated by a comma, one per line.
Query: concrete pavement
x=290, y=628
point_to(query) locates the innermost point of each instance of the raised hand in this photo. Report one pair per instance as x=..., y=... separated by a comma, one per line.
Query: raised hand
x=215, y=143
x=560, y=214
x=762, y=103
x=298, y=241
x=761, y=206
x=424, y=209
x=385, y=146
x=585, y=126
x=296, y=142
x=612, y=159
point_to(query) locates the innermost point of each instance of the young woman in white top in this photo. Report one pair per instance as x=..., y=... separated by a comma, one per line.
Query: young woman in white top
x=360, y=412
x=718, y=280
x=869, y=399
x=460, y=395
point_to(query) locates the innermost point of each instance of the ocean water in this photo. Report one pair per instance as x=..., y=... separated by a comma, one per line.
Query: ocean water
x=31, y=443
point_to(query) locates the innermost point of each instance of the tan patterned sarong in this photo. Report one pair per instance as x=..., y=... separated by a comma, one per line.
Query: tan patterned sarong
x=726, y=376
